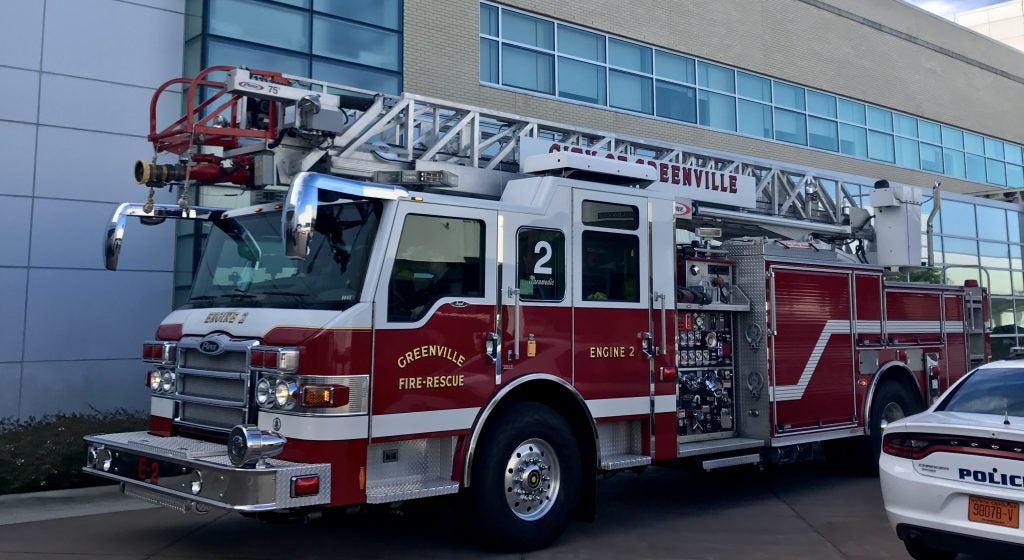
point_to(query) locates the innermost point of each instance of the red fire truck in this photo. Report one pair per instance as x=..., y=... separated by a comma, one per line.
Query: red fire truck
x=442, y=299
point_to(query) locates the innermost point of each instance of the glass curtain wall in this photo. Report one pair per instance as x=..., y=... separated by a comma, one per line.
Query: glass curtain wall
x=548, y=57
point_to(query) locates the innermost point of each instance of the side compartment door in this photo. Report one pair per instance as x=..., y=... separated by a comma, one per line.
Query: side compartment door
x=434, y=311
x=612, y=339
x=813, y=378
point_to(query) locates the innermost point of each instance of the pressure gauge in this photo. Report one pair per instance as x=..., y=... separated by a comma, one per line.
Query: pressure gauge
x=711, y=340
x=698, y=322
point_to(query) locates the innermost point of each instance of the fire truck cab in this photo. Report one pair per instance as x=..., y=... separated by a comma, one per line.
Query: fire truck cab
x=512, y=332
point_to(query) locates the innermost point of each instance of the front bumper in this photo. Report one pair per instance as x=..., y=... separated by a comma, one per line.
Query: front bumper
x=165, y=471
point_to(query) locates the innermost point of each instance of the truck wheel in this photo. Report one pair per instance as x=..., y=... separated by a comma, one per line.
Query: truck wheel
x=891, y=402
x=526, y=479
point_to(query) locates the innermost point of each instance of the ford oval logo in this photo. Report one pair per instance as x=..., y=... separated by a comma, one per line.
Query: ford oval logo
x=209, y=347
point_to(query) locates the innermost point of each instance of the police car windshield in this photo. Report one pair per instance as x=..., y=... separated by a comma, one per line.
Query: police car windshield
x=244, y=263
x=989, y=391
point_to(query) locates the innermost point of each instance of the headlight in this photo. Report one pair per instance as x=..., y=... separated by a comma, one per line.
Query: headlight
x=167, y=382
x=264, y=393
x=154, y=380
x=283, y=394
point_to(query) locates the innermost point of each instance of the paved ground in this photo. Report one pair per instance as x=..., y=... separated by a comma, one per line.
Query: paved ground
x=796, y=512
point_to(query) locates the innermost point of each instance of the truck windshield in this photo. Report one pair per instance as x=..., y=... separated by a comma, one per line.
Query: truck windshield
x=244, y=263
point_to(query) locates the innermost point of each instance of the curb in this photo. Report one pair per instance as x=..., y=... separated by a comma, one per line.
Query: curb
x=60, y=504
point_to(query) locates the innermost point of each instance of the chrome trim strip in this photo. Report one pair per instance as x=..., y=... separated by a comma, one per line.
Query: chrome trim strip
x=232, y=375
x=481, y=420
x=316, y=428
x=844, y=431
x=234, y=405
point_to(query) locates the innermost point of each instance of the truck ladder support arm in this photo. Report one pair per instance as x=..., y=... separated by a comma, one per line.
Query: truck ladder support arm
x=160, y=212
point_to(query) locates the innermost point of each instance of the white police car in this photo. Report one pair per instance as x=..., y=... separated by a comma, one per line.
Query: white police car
x=953, y=476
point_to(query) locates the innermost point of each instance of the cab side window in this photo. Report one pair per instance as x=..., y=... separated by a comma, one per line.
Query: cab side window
x=541, y=265
x=437, y=257
x=610, y=267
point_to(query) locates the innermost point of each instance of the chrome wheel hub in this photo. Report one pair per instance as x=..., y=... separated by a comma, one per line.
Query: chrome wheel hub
x=892, y=413
x=532, y=479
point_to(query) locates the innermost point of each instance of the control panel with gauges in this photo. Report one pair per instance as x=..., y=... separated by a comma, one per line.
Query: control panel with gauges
x=707, y=302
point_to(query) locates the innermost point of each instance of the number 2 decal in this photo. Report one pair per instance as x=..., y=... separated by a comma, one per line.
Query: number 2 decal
x=545, y=248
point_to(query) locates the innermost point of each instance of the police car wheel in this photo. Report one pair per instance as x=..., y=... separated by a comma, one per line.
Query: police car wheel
x=921, y=551
x=526, y=479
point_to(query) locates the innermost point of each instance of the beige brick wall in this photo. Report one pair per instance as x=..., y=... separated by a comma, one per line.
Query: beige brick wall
x=796, y=40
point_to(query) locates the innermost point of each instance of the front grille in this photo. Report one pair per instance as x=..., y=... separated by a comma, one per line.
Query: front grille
x=219, y=388
x=213, y=389
x=192, y=358
x=210, y=416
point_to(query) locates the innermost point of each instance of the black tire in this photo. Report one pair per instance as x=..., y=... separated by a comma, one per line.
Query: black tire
x=921, y=551
x=517, y=436
x=890, y=402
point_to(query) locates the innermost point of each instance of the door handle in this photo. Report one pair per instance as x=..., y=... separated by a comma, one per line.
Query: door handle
x=491, y=347
x=647, y=345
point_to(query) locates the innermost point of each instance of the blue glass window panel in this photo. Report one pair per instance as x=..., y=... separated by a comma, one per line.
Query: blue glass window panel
x=755, y=119
x=958, y=218
x=880, y=147
x=226, y=53
x=629, y=91
x=755, y=87
x=952, y=138
x=929, y=132
x=675, y=67
x=527, y=69
x=488, y=61
x=528, y=30
x=960, y=251
x=385, y=13
x=907, y=126
x=581, y=81
x=676, y=101
x=488, y=20
x=853, y=140
x=1014, y=176
x=790, y=126
x=359, y=76
x=789, y=96
x=975, y=168
x=583, y=44
x=354, y=42
x=713, y=76
x=851, y=111
x=629, y=55
x=1013, y=224
x=992, y=224
x=996, y=171
x=931, y=158
x=1012, y=153
x=907, y=153
x=823, y=134
x=821, y=104
x=994, y=148
x=954, y=163
x=879, y=119
x=296, y=3
x=716, y=110
x=271, y=25
x=974, y=144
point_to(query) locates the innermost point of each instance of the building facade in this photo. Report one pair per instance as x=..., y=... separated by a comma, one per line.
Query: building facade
x=1003, y=22
x=868, y=89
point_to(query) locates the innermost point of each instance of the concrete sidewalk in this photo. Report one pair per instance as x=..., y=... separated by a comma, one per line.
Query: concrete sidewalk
x=58, y=504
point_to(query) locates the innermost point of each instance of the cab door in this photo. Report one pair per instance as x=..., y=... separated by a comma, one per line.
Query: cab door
x=612, y=339
x=434, y=320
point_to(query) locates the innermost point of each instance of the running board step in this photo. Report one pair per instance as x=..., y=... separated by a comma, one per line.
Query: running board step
x=715, y=446
x=397, y=491
x=624, y=461
x=712, y=464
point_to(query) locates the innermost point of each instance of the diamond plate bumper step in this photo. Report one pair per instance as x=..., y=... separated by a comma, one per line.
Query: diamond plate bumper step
x=624, y=461
x=394, y=491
